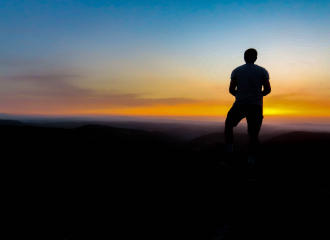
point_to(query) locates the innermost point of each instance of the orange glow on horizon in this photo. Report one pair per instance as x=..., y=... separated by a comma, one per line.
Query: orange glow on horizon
x=203, y=112
x=278, y=107
x=282, y=107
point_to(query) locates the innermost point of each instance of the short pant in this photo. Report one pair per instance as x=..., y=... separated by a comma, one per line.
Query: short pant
x=252, y=112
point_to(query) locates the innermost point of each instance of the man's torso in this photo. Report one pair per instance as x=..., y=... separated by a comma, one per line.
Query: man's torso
x=249, y=78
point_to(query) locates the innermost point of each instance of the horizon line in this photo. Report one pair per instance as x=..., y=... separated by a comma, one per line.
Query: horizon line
x=209, y=119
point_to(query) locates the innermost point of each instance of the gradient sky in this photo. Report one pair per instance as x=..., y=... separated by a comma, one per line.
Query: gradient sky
x=161, y=58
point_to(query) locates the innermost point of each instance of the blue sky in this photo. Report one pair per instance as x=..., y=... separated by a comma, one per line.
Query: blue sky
x=49, y=29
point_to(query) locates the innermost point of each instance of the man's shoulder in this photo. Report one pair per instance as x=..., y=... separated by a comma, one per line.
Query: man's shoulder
x=239, y=67
x=261, y=68
x=250, y=67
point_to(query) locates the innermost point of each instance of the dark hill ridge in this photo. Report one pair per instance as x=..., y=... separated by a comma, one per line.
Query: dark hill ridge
x=33, y=133
x=297, y=147
x=96, y=182
x=299, y=137
x=124, y=133
x=183, y=131
x=213, y=141
x=11, y=123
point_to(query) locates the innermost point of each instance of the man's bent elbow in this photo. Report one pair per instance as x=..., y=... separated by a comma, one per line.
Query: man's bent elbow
x=264, y=93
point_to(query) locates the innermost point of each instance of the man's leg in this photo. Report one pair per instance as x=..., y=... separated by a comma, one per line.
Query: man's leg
x=234, y=116
x=229, y=135
x=254, y=120
x=253, y=143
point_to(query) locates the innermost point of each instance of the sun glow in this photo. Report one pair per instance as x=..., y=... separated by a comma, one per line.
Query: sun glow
x=280, y=111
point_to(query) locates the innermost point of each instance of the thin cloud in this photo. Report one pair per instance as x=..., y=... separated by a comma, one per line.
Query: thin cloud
x=18, y=62
x=60, y=88
x=60, y=81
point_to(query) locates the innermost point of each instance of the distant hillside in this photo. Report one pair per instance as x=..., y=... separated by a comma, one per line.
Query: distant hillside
x=125, y=134
x=182, y=131
x=303, y=149
x=11, y=123
x=299, y=137
x=213, y=140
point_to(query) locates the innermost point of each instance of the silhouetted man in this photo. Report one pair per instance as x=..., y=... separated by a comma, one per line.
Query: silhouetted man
x=249, y=79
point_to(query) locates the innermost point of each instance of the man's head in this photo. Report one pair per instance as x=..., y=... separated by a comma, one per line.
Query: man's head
x=250, y=55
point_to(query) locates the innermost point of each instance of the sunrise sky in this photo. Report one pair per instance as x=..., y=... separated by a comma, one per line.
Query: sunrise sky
x=169, y=59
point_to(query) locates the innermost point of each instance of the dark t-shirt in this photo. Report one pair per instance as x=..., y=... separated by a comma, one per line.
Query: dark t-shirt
x=249, y=78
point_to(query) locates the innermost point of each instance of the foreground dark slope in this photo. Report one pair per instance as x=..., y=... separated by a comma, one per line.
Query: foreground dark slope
x=286, y=194
x=74, y=183
x=305, y=153
x=97, y=182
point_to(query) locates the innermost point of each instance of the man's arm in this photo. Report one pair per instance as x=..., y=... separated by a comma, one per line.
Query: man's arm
x=233, y=84
x=267, y=87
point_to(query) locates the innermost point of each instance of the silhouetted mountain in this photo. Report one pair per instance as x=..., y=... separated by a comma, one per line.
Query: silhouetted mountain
x=11, y=123
x=97, y=131
x=179, y=130
x=298, y=147
x=310, y=127
x=183, y=131
x=98, y=182
x=299, y=137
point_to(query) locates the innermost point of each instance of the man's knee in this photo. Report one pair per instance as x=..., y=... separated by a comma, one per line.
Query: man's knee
x=253, y=133
x=229, y=125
